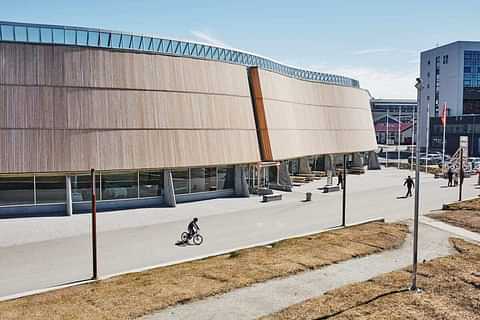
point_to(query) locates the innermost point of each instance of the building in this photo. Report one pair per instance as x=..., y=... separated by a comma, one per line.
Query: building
x=451, y=77
x=400, y=113
x=162, y=121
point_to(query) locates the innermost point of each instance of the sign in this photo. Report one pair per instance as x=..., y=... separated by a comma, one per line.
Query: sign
x=464, y=145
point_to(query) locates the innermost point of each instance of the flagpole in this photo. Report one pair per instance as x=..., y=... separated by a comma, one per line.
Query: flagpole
x=428, y=136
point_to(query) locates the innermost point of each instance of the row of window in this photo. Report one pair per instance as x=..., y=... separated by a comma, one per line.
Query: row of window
x=37, y=189
x=106, y=39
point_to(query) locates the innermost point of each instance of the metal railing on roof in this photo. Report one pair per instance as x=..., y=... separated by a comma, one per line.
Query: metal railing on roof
x=77, y=36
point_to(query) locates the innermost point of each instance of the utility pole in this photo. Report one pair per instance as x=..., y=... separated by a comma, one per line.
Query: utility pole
x=461, y=173
x=94, y=226
x=344, y=187
x=413, y=287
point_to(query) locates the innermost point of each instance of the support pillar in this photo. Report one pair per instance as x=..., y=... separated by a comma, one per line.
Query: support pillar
x=284, y=175
x=68, y=198
x=169, y=190
x=373, y=163
x=241, y=185
x=305, y=166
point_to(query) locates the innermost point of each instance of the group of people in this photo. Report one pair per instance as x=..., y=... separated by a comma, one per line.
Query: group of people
x=453, y=178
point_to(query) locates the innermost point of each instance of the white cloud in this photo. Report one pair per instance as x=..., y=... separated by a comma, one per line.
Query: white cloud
x=372, y=51
x=207, y=38
x=382, y=83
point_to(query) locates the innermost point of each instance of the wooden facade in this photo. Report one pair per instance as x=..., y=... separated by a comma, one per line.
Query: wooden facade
x=65, y=109
x=308, y=118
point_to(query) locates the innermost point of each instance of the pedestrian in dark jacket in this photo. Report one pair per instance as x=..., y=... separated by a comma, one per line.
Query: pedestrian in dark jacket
x=409, y=183
x=450, y=177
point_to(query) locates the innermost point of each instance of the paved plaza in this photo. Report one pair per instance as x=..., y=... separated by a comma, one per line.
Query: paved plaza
x=42, y=252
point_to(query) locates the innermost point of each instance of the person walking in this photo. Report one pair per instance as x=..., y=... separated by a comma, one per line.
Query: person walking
x=410, y=184
x=450, y=176
x=340, y=179
x=455, y=179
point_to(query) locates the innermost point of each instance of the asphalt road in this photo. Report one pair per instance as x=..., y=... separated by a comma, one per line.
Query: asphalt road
x=137, y=239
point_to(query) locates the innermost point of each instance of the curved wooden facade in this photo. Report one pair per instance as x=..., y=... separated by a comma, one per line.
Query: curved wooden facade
x=65, y=109
x=298, y=118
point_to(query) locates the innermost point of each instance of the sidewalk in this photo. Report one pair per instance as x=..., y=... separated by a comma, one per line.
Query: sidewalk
x=274, y=295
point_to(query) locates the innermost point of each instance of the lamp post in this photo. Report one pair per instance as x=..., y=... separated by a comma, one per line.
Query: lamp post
x=419, y=87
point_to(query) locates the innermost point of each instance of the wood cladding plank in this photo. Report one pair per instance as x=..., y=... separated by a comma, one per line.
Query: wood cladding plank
x=259, y=112
x=307, y=118
x=79, y=150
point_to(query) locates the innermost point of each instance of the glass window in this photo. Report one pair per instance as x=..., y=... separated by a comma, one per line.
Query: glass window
x=226, y=177
x=7, y=32
x=197, y=176
x=50, y=189
x=136, y=41
x=82, y=38
x=16, y=190
x=180, y=181
x=81, y=188
x=20, y=33
x=59, y=36
x=151, y=183
x=119, y=185
x=467, y=69
x=126, y=39
x=46, y=35
x=104, y=39
x=33, y=34
x=211, y=179
x=70, y=36
x=115, y=38
x=93, y=38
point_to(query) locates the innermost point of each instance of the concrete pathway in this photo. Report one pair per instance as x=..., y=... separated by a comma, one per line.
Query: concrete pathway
x=271, y=296
x=40, y=253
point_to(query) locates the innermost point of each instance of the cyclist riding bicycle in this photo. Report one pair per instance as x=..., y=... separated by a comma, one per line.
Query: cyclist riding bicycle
x=193, y=228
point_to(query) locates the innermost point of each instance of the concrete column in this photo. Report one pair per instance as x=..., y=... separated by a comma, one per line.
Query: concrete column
x=168, y=189
x=330, y=164
x=357, y=161
x=373, y=163
x=305, y=166
x=241, y=185
x=68, y=198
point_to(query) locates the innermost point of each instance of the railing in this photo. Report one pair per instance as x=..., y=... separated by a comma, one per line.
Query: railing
x=77, y=36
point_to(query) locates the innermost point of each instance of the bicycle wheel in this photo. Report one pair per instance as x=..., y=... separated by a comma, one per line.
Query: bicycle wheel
x=184, y=236
x=197, y=239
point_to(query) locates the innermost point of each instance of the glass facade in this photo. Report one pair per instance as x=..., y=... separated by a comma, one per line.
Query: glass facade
x=81, y=188
x=16, y=191
x=181, y=181
x=65, y=35
x=471, y=82
x=50, y=189
x=119, y=185
x=150, y=184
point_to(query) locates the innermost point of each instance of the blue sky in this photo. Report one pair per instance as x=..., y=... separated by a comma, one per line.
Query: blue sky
x=376, y=42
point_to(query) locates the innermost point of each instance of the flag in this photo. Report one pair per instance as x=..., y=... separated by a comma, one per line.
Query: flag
x=443, y=118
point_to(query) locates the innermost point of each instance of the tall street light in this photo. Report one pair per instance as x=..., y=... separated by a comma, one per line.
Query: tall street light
x=419, y=87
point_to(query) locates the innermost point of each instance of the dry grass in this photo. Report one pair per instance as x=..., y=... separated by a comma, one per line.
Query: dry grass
x=451, y=290
x=131, y=296
x=466, y=219
x=464, y=214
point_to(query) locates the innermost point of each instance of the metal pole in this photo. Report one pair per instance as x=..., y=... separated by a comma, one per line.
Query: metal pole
x=419, y=87
x=444, y=130
x=428, y=137
x=413, y=136
x=344, y=187
x=399, y=133
x=386, y=143
x=460, y=186
x=94, y=226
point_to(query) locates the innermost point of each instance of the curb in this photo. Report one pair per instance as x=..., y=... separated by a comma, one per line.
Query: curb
x=219, y=253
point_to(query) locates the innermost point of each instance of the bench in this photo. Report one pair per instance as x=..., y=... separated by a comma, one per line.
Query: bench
x=272, y=197
x=330, y=188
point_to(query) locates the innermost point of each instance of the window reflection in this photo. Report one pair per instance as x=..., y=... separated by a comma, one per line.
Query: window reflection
x=93, y=38
x=82, y=188
x=50, y=189
x=7, y=33
x=151, y=183
x=180, y=181
x=20, y=33
x=46, y=35
x=225, y=178
x=58, y=36
x=16, y=190
x=119, y=185
x=33, y=34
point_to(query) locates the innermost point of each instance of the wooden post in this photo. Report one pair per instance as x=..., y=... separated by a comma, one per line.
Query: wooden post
x=94, y=227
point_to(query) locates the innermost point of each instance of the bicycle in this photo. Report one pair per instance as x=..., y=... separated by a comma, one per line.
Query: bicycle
x=197, y=238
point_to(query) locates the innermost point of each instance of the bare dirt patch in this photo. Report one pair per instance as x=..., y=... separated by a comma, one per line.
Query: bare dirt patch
x=450, y=290
x=472, y=204
x=133, y=295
